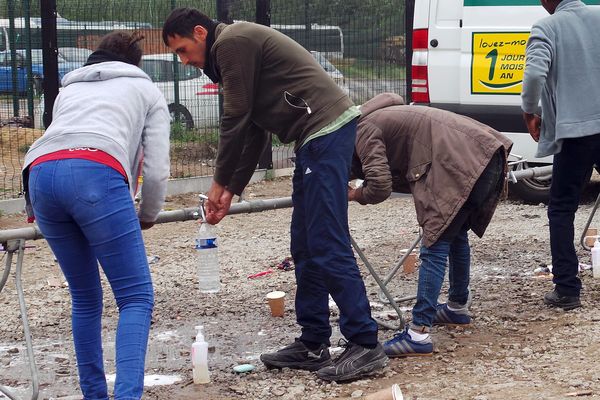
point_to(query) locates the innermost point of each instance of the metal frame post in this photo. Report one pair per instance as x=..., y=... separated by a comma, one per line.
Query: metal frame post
x=11, y=247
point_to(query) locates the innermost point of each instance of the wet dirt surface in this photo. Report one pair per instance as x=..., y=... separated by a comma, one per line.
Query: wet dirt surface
x=516, y=347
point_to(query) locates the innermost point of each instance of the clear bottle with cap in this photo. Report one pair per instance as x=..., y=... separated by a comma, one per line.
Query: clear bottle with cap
x=596, y=259
x=208, y=254
x=200, y=358
x=208, y=258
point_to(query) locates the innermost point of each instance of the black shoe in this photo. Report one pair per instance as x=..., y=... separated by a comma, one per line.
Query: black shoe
x=298, y=356
x=567, y=303
x=354, y=363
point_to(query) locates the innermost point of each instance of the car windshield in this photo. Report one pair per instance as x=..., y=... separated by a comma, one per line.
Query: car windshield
x=4, y=58
x=37, y=57
x=162, y=70
x=74, y=54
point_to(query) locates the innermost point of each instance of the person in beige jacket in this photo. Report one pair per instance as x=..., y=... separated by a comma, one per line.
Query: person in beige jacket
x=455, y=168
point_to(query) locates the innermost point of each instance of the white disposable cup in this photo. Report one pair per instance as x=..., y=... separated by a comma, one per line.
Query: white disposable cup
x=393, y=393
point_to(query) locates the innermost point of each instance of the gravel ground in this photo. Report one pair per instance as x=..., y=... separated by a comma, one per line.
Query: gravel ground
x=515, y=348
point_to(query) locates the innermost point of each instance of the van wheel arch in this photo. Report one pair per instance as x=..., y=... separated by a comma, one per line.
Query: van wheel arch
x=534, y=190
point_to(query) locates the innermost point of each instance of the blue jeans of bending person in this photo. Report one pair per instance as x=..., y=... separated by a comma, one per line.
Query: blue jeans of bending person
x=453, y=248
x=320, y=242
x=86, y=213
x=569, y=175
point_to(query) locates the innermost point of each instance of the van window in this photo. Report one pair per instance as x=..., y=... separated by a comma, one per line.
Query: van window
x=449, y=11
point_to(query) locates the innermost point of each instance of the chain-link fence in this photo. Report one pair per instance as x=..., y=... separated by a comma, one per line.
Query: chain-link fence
x=359, y=43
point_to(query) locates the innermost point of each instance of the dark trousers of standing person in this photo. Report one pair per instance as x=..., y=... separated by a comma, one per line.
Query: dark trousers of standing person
x=320, y=242
x=569, y=175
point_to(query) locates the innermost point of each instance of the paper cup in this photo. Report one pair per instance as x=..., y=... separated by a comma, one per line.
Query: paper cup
x=590, y=236
x=276, y=303
x=393, y=393
x=410, y=263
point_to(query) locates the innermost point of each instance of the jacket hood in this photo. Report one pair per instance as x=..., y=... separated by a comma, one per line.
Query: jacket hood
x=380, y=101
x=103, y=72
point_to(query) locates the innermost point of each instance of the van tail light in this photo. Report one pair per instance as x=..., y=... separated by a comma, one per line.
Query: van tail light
x=209, y=89
x=420, y=82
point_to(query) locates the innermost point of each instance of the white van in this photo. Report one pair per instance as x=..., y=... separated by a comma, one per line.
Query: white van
x=469, y=58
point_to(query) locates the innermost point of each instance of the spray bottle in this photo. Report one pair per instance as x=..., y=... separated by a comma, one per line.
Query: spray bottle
x=200, y=358
x=596, y=259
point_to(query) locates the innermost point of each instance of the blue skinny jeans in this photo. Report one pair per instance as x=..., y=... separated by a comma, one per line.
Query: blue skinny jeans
x=431, y=276
x=86, y=213
x=453, y=247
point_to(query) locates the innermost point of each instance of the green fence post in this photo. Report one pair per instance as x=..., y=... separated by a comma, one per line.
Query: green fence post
x=263, y=17
x=10, y=4
x=27, y=16
x=50, y=55
x=175, y=74
x=307, y=26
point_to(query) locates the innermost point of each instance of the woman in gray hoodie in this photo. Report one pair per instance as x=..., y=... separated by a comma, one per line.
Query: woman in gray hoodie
x=109, y=121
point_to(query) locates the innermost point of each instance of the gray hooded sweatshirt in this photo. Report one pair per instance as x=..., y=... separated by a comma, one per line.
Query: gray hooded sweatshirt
x=114, y=107
x=562, y=68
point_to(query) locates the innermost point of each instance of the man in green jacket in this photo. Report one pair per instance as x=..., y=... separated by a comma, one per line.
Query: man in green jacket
x=272, y=84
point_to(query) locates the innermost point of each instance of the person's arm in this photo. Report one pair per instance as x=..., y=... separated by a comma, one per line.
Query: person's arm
x=238, y=79
x=534, y=123
x=219, y=196
x=371, y=151
x=539, y=55
x=256, y=142
x=156, y=165
x=218, y=204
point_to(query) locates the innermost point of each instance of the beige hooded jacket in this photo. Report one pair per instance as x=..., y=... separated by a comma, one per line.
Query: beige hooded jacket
x=434, y=154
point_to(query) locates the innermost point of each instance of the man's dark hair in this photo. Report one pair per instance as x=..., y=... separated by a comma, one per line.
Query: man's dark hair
x=182, y=21
x=123, y=44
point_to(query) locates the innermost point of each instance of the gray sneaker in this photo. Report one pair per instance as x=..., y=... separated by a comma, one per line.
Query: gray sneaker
x=298, y=356
x=556, y=299
x=354, y=363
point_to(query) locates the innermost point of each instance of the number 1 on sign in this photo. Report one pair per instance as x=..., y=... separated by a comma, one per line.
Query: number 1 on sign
x=494, y=56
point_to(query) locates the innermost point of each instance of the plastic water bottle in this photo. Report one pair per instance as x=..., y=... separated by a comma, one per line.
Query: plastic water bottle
x=208, y=259
x=596, y=259
x=200, y=358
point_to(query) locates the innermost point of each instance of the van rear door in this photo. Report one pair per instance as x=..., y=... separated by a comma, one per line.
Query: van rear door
x=444, y=51
x=478, y=64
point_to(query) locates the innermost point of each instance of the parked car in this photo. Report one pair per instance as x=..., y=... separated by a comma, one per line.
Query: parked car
x=198, y=95
x=331, y=70
x=74, y=54
x=6, y=74
x=37, y=69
